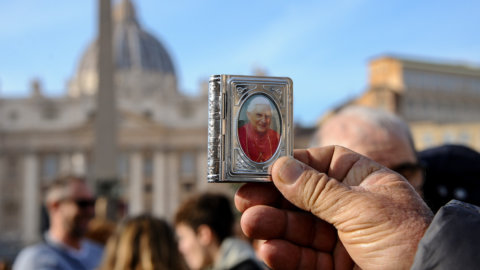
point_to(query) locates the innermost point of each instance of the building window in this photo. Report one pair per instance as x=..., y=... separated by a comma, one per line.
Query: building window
x=148, y=114
x=148, y=166
x=50, y=166
x=13, y=116
x=123, y=166
x=11, y=167
x=186, y=110
x=188, y=187
x=448, y=137
x=427, y=140
x=464, y=138
x=50, y=112
x=187, y=168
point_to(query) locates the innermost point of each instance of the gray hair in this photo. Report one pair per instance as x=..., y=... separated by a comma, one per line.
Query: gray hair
x=258, y=100
x=376, y=117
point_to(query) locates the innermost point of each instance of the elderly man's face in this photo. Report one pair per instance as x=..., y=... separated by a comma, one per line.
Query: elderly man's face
x=260, y=117
x=391, y=150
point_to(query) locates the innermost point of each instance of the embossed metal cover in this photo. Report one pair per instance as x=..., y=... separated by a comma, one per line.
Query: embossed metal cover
x=249, y=126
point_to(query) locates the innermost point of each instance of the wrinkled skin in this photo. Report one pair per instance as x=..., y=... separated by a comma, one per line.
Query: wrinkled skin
x=332, y=208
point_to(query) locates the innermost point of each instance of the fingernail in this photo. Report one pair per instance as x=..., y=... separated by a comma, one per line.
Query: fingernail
x=290, y=171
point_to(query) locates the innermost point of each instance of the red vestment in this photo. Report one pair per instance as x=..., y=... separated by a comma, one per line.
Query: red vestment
x=258, y=147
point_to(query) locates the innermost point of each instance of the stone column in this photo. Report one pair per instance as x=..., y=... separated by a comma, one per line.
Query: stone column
x=173, y=195
x=136, y=203
x=201, y=161
x=105, y=144
x=79, y=166
x=31, y=201
x=160, y=185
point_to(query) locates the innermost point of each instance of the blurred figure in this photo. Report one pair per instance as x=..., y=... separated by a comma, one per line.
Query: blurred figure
x=377, y=134
x=70, y=205
x=100, y=230
x=4, y=265
x=204, y=226
x=143, y=242
x=452, y=172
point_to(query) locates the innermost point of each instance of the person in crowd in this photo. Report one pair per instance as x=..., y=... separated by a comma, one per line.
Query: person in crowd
x=4, y=265
x=143, y=242
x=355, y=213
x=70, y=205
x=451, y=172
x=257, y=139
x=100, y=229
x=204, y=225
x=376, y=134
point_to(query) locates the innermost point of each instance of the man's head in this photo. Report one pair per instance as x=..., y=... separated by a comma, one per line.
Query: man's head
x=376, y=134
x=70, y=204
x=259, y=113
x=202, y=222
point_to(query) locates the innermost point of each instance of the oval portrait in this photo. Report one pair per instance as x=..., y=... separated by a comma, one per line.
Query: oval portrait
x=259, y=128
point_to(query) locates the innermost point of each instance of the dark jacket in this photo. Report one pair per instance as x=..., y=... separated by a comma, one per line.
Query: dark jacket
x=236, y=254
x=452, y=241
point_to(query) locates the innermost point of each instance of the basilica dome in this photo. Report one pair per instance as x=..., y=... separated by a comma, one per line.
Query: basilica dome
x=135, y=50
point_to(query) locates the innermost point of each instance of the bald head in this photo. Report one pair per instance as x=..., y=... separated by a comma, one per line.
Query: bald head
x=376, y=134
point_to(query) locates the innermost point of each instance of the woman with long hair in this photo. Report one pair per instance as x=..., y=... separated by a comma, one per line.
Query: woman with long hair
x=143, y=242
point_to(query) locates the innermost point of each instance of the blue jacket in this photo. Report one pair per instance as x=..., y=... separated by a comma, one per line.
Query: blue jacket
x=50, y=255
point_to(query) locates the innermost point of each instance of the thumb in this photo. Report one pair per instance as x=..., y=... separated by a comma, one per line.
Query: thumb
x=313, y=191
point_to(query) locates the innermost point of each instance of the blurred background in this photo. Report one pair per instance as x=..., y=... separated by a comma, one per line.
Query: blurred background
x=143, y=142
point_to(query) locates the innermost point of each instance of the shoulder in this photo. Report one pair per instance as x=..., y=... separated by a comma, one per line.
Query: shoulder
x=451, y=239
x=93, y=249
x=38, y=256
x=34, y=251
x=242, y=130
x=248, y=264
x=237, y=254
x=92, y=245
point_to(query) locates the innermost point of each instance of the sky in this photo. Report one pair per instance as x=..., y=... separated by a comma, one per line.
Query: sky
x=323, y=46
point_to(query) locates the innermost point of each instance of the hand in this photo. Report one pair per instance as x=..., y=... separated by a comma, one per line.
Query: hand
x=355, y=211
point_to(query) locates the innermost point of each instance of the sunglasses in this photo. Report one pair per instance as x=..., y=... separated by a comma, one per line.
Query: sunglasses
x=408, y=169
x=82, y=203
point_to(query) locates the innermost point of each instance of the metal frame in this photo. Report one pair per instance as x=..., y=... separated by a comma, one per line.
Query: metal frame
x=227, y=95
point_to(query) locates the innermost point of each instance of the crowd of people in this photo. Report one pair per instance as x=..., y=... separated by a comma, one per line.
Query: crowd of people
x=359, y=198
x=203, y=236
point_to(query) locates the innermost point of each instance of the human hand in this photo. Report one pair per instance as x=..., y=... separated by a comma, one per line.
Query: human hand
x=354, y=209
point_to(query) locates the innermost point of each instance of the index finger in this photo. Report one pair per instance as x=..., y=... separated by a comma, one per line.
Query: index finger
x=335, y=161
x=252, y=194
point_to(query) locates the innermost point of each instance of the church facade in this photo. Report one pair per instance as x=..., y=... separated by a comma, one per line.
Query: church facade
x=161, y=133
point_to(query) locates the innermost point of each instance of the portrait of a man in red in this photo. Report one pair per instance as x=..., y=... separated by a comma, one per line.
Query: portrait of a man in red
x=258, y=140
